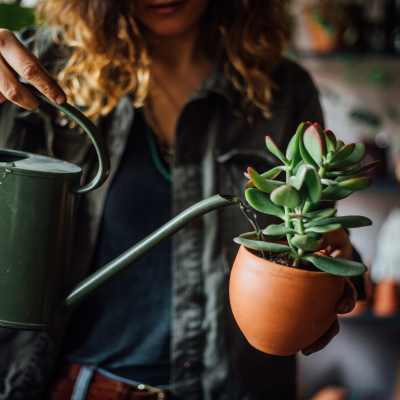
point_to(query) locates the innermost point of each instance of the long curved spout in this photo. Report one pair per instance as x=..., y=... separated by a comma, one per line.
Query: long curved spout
x=107, y=271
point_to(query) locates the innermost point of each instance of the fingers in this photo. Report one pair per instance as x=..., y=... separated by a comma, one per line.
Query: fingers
x=14, y=91
x=16, y=59
x=324, y=340
x=337, y=244
x=337, y=253
x=348, y=300
x=2, y=99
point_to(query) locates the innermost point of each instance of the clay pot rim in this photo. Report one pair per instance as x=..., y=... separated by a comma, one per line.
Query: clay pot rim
x=284, y=270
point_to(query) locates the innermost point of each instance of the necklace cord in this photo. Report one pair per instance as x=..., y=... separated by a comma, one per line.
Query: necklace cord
x=155, y=155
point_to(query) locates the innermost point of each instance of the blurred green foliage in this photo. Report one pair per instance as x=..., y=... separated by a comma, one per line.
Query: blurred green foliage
x=16, y=17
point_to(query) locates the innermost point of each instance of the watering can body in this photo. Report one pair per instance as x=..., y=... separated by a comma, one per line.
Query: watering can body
x=37, y=204
x=38, y=200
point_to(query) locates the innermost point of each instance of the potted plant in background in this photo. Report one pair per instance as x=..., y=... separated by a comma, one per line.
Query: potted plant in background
x=285, y=284
x=14, y=16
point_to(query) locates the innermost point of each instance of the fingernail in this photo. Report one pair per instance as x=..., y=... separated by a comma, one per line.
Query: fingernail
x=60, y=99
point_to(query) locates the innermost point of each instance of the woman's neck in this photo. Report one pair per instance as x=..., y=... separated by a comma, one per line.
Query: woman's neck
x=178, y=68
x=177, y=54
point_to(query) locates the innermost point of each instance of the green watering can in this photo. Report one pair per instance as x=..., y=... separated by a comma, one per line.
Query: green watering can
x=38, y=200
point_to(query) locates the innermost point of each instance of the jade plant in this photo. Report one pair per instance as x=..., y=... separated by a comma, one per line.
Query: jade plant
x=316, y=170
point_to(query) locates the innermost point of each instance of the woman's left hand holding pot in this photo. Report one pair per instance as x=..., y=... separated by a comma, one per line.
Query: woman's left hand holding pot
x=336, y=244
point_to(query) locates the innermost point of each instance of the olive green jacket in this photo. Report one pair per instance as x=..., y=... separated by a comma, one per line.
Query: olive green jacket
x=210, y=359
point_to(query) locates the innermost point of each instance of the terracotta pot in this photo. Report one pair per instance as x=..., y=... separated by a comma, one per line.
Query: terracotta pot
x=386, y=302
x=280, y=309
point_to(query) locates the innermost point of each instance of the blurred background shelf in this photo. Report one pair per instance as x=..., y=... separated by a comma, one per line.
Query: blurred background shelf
x=352, y=50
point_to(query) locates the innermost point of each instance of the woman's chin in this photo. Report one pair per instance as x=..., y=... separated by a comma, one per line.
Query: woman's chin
x=169, y=29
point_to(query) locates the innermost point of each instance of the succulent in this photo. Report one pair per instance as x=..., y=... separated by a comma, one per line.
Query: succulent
x=316, y=170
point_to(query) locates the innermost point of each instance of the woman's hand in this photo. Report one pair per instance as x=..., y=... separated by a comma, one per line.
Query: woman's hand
x=16, y=60
x=346, y=303
x=336, y=244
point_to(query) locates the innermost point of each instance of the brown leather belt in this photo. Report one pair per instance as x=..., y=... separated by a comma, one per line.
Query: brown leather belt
x=103, y=388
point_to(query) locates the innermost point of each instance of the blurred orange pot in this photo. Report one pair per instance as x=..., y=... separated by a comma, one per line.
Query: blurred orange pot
x=281, y=309
x=386, y=302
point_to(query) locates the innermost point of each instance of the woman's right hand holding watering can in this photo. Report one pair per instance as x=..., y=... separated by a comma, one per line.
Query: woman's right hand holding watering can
x=16, y=60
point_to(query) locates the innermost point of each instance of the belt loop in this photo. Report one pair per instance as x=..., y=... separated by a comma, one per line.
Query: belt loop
x=82, y=383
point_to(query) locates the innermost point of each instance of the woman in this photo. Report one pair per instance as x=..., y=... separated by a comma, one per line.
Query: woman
x=184, y=92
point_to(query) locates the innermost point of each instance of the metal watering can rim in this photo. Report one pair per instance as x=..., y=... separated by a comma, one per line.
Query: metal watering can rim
x=85, y=287
x=25, y=163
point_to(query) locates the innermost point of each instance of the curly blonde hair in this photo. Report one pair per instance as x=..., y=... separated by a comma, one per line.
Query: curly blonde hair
x=110, y=58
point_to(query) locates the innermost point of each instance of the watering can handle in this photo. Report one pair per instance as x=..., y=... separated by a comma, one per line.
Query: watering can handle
x=91, y=130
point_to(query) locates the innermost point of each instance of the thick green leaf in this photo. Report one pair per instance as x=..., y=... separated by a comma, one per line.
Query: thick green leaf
x=297, y=167
x=326, y=213
x=293, y=151
x=349, y=221
x=265, y=185
x=306, y=242
x=314, y=142
x=273, y=173
x=286, y=196
x=329, y=157
x=339, y=159
x=262, y=203
x=262, y=245
x=333, y=193
x=349, y=161
x=360, y=170
x=308, y=175
x=275, y=230
x=323, y=229
x=357, y=155
x=346, y=177
x=292, y=148
x=355, y=183
x=328, y=182
x=274, y=149
x=336, y=266
x=297, y=180
x=249, y=235
x=339, y=144
x=305, y=155
x=313, y=185
x=330, y=140
x=335, y=174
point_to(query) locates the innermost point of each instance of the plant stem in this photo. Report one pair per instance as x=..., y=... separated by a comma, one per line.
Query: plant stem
x=252, y=219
